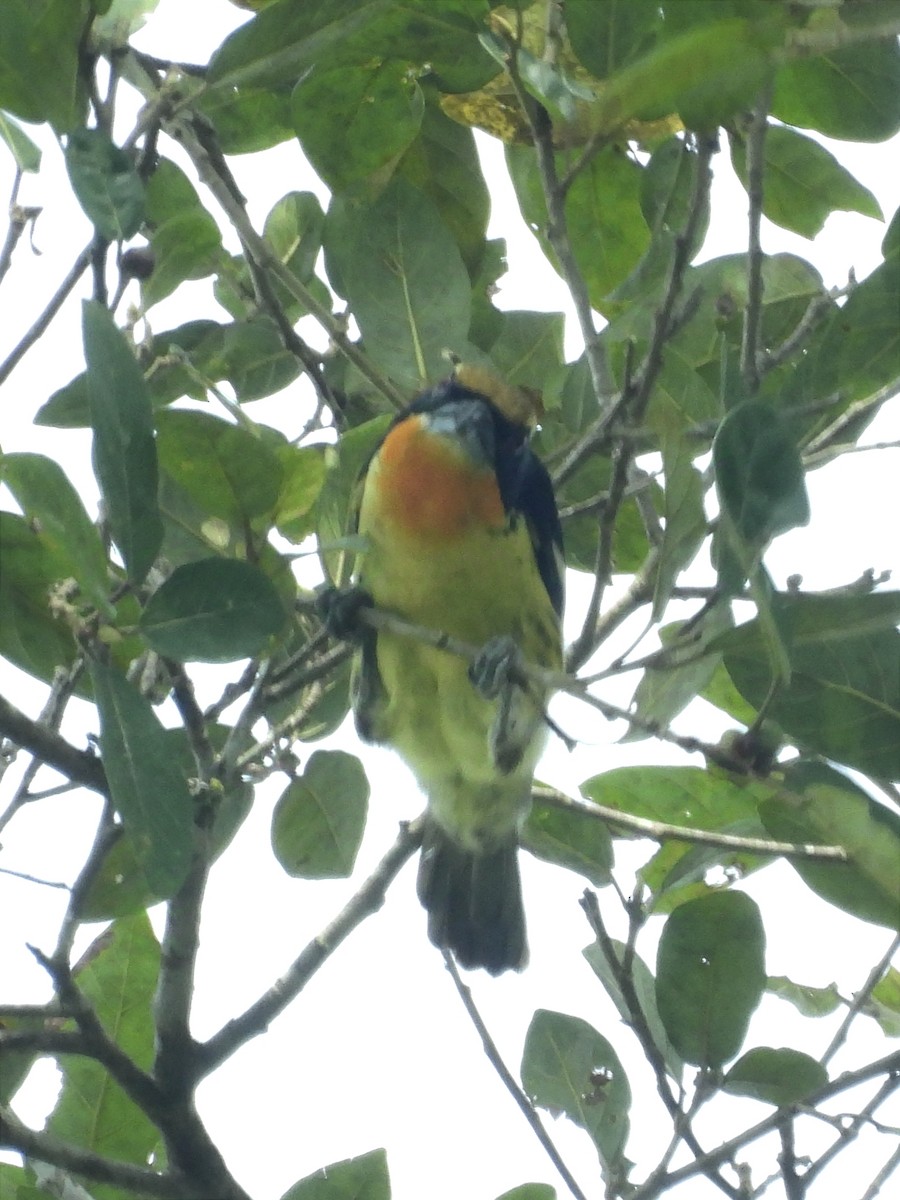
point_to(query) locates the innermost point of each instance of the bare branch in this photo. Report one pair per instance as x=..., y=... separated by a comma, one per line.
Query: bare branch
x=888, y=1065
x=558, y=234
x=637, y=1020
x=860, y=999
x=365, y=903
x=660, y=831
x=81, y=264
x=509, y=1082
x=46, y=1148
x=756, y=139
x=78, y=765
x=265, y=257
x=883, y=1176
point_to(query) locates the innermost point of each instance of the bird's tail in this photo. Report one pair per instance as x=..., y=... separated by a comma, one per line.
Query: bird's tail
x=474, y=902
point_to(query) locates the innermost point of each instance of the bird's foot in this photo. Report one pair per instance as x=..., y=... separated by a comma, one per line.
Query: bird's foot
x=498, y=667
x=339, y=609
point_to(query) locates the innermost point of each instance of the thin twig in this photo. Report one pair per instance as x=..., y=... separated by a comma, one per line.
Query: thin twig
x=848, y=1131
x=37, y=330
x=558, y=233
x=637, y=1020
x=883, y=1176
x=660, y=831
x=755, y=143
x=849, y=416
x=888, y=1065
x=266, y=258
x=860, y=999
x=509, y=1082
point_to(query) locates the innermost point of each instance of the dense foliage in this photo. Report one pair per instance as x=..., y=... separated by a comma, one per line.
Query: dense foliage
x=701, y=389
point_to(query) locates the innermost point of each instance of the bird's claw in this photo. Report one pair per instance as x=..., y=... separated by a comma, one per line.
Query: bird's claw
x=497, y=667
x=339, y=609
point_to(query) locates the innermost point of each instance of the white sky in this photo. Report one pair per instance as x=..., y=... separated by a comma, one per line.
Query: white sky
x=377, y=1051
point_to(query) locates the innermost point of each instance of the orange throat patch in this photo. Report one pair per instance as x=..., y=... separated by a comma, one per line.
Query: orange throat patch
x=427, y=487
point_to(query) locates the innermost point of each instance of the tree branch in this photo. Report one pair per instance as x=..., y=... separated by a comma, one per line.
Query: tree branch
x=660, y=831
x=860, y=999
x=81, y=264
x=756, y=139
x=78, y=765
x=888, y=1065
x=638, y=1022
x=46, y=1148
x=365, y=903
x=509, y=1082
x=558, y=234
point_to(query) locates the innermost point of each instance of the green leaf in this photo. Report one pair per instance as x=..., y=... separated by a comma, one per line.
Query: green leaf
x=248, y=119
x=884, y=1002
x=401, y=270
x=529, y=346
x=568, y=1067
x=710, y=975
x=684, y=669
x=26, y=154
x=810, y=1001
x=804, y=183
x=780, y=1077
x=119, y=888
x=68, y=407
x=294, y=230
x=890, y=245
x=124, y=448
x=688, y=796
x=46, y=495
x=18, y=1183
x=569, y=839
x=852, y=93
x=605, y=221
x=105, y=183
x=685, y=520
x=214, y=610
x=759, y=476
x=860, y=345
x=32, y=635
x=319, y=820
x=303, y=475
x=823, y=806
x=278, y=47
x=118, y=20
x=721, y=692
x=354, y=125
x=118, y=977
x=789, y=284
x=645, y=991
x=184, y=238
x=609, y=34
x=362, y=1178
x=149, y=791
x=184, y=247
x=40, y=45
x=253, y=358
x=227, y=471
x=15, y=1064
x=530, y=1191
x=442, y=163
x=706, y=74
x=843, y=701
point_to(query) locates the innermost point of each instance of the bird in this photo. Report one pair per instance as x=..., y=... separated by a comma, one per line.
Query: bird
x=460, y=534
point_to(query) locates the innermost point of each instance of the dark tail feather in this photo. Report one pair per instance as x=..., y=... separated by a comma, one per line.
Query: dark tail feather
x=474, y=902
